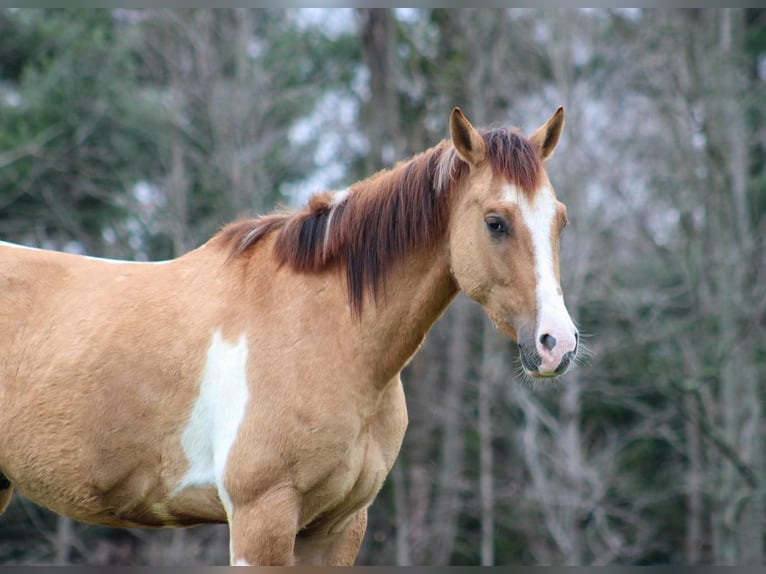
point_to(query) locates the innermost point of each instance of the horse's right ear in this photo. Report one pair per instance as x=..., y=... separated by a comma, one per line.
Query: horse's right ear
x=547, y=135
x=467, y=140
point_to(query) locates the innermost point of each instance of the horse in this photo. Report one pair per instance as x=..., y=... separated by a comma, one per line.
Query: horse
x=255, y=380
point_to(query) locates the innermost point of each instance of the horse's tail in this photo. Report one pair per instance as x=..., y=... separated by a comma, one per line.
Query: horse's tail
x=6, y=491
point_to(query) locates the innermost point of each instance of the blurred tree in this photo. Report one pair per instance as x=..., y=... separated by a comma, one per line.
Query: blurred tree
x=234, y=84
x=698, y=224
x=73, y=133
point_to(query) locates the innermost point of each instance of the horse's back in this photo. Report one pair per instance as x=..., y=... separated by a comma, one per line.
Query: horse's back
x=51, y=306
x=30, y=281
x=25, y=274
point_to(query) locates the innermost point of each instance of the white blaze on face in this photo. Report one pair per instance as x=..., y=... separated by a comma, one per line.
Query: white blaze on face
x=553, y=318
x=216, y=416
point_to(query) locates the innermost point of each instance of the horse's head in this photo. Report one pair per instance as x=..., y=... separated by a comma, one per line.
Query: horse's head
x=504, y=240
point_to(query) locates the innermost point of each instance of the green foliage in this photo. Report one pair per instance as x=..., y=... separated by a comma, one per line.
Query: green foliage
x=68, y=122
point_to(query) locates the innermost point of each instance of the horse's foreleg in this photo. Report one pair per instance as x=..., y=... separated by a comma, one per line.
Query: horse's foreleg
x=335, y=548
x=262, y=531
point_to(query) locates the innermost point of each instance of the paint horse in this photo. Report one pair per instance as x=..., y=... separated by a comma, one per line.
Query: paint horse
x=256, y=379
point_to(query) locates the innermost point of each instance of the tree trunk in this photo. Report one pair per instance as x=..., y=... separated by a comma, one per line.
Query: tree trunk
x=178, y=192
x=403, y=551
x=449, y=477
x=492, y=369
x=177, y=554
x=694, y=470
x=378, y=35
x=740, y=520
x=64, y=536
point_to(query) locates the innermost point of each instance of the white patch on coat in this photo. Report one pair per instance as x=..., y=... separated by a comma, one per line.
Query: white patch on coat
x=17, y=246
x=101, y=259
x=124, y=262
x=336, y=200
x=445, y=170
x=510, y=194
x=339, y=197
x=216, y=416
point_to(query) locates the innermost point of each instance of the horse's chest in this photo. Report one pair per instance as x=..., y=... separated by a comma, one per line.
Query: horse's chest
x=357, y=475
x=352, y=485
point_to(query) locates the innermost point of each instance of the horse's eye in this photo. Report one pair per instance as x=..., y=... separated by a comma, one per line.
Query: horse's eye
x=496, y=225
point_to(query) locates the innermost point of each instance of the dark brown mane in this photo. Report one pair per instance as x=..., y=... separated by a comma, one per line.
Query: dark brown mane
x=380, y=219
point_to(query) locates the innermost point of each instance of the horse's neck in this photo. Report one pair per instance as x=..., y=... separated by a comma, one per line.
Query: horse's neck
x=416, y=295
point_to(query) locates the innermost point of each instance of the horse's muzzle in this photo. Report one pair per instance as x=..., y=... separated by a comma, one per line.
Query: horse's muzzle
x=531, y=361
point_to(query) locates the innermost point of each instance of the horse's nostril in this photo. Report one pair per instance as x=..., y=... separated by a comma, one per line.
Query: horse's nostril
x=548, y=341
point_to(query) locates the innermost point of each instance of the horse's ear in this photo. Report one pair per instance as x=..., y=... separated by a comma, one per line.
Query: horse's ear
x=467, y=140
x=547, y=135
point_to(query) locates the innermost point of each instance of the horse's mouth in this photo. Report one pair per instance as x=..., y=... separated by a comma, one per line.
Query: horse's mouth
x=530, y=361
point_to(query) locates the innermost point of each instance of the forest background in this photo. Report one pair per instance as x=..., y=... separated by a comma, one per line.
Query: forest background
x=138, y=133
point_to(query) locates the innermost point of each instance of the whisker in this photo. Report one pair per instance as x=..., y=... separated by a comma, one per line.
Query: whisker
x=584, y=354
x=521, y=374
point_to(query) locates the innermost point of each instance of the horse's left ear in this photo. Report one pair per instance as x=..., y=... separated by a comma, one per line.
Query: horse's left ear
x=547, y=135
x=466, y=139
